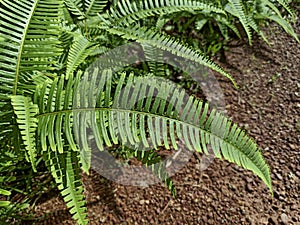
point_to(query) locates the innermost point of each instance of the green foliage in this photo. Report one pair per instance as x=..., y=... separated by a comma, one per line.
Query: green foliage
x=241, y=19
x=14, y=176
x=46, y=50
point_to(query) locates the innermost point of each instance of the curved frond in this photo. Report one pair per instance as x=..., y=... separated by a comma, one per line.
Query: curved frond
x=285, y=25
x=83, y=9
x=149, y=111
x=236, y=8
x=94, y=7
x=64, y=168
x=27, y=122
x=76, y=8
x=169, y=44
x=286, y=6
x=127, y=12
x=9, y=132
x=28, y=40
x=79, y=51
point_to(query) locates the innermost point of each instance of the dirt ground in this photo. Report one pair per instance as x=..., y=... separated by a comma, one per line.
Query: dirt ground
x=267, y=105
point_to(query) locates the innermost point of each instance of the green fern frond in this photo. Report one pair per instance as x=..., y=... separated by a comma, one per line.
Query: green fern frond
x=27, y=122
x=79, y=51
x=227, y=23
x=155, y=60
x=76, y=8
x=236, y=8
x=256, y=28
x=84, y=9
x=285, y=25
x=64, y=168
x=53, y=98
x=29, y=39
x=94, y=7
x=286, y=6
x=153, y=38
x=136, y=115
x=9, y=132
x=271, y=12
x=127, y=12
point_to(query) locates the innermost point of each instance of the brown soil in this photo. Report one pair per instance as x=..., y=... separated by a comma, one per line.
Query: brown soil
x=267, y=105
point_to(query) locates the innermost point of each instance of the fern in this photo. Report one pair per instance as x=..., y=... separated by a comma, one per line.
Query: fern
x=26, y=112
x=127, y=117
x=127, y=12
x=93, y=7
x=286, y=6
x=75, y=8
x=79, y=51
x=64, y=169
x=33, y=44
x=164, y=42
x=235, y=7
x=86, y=8
x=54, y=92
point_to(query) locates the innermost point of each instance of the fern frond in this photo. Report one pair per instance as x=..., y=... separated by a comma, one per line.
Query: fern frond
x=227, y=23
x=64, y=168
x=27, y=122
x=285, y=25
x=286, y=6
x=29, y=39
x=9, y=132
x=161, y=41
x=79, y=51
x=256, y=28
x=271, y=12
x=94, y=7
x=236, y=8
x=76, y=8
x=127, y=12
x=155, y=60
x=55, y=97
x=152, y=112
x=84, y=9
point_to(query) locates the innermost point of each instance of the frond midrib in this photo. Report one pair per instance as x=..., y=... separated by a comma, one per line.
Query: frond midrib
x=149, y=114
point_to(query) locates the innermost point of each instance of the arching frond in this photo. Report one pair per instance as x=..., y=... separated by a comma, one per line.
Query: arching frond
x=127, y=12
x=145, y=110
x=271, y=12
x=28, y=40
x=66, y=172
x=76, y=8
x=236, y=8
x=165, y=42
x=94, y=7
x=27, y=123
x=285, y=25
x=79, y=51
x=84, y=9
x=286, y=6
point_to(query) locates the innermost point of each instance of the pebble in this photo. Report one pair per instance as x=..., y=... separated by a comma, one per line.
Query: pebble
x=284, y=218
x=278, y=176
x=294, y=207
x=292, y=146
x=249, y=187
